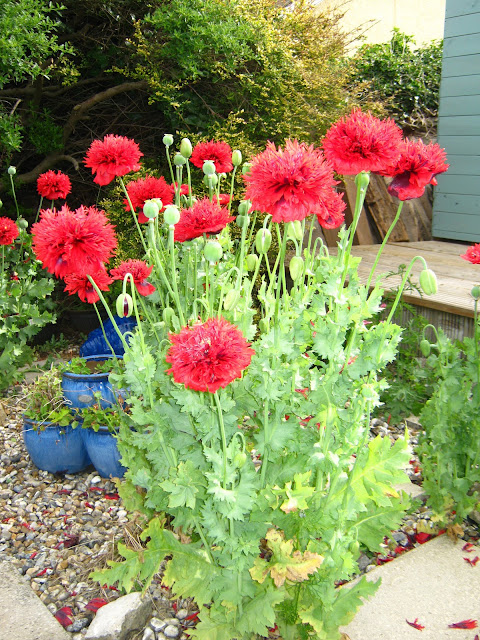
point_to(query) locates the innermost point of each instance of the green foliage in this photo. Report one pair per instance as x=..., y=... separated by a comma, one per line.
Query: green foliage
x=404, y=78
x=43, y=133
x=95, y=417
x=448, y=449
x=45, y=401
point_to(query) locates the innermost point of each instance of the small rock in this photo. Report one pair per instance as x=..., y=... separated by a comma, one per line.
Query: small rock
x=148, y=634
x=157, y=624
x=363, y=562
x=182, y=614
x=78, y=625
x=115, y=620
x=171, y=631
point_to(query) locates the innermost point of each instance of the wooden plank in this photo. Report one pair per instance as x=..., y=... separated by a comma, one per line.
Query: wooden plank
x=460, y=65
x=435, y=246
x=460, y=7
x=463, y=165
x=382, y=208
x=460, y=184
x=455, y=203
x=459, y=125
x=461, y=45
x=459, y=86
x=462, y=222
x=461, y=105
x=462, y=25
x=363, y=234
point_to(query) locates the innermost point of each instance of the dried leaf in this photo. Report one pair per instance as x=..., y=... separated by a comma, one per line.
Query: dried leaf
x=454, y=531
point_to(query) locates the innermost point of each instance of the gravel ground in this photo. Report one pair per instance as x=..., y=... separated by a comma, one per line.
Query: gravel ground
x=57, y=529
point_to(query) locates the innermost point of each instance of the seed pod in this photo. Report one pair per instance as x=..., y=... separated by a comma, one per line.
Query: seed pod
x=179, y=160
x=171, y=215
x=150, y=209
x=246, y=168
x=428, y=282
x=294, y=230
x=210, y=180
x=22, y=223
x=11, y=171
x=244, y=207
x=475, y=292
x=242, y=221
x=231, y=300
x=167, y=140
x=425, y=347
x=251, y=261
x=296, y=267
x=213, y=251
x=209, y=168
x=237, y=158
x=186, y=148
x=263, y=240
x=124, y=305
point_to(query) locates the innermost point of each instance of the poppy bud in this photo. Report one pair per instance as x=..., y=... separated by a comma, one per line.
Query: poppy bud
x=124, y=305
x=428, y=282
x=237, y=158
x=239, y=459
x=11, y=171
x=209, y=168
x=246, y=168
x=231, y=300
x=244, y=207
x=168, y=140
x=475, y=292
x=425, y=348
x=263, y=240
x=22, y=223
x=1, y=204
x=150, y=209
x=171, y=215
x=213, y=251
x=179, y=160
x=186, y=148
x=168, y=314
x=294, y=230
x=296, y=267
x=251, y=261
x=242, y=221
x=362, y=180
x=210, y=181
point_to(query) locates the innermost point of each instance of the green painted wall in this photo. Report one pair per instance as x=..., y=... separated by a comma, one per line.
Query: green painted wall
x=456, y=210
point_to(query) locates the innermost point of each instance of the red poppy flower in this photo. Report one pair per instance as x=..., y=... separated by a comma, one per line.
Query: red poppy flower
x=415, y=624
x=113, y=156
x=464, y=624
x=361, y=142
x=140, y=272
x=417, y=166
x=76, y=283
x=77, y=241
x=220, y=153
x=53, y=185
x=8, y=231
x=183, y=188
x=146, y=189
x=208, y=356
x=289, y=183
x=331, y=215
x=202, y=217
x=472, y=254
x=223, y=199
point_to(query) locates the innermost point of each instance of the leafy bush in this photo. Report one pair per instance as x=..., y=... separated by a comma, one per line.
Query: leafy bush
x=403, y=78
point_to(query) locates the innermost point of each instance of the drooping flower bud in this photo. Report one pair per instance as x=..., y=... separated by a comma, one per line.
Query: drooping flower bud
x=251, y=261
x=171, y=215
x=209, y=168
x=22, y=223
x=124, y=305
x=428, y=282
x=186, y=148
x=167, y=140
x=168, y=314
x=425, y=347
x=237, y=158
x=242, y=221
x=213, y=251
x=362, y=180
x=150, y=209
x=244, y=207
x=294, y=230
x=231, y=300
x=11, y=171
x=263, y=240
x=179, y=160
x=296, y=267
x=239, y=459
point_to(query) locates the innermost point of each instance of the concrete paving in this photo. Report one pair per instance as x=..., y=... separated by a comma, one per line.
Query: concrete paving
x=432, y=583
x=23, y=616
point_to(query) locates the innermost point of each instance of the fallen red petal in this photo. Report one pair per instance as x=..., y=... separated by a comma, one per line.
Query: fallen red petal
x=464, y=624
x=63, y=616
x=415, y=624
x=467, y=547
x=95, y=604
x=422, y=537
x=112, y=496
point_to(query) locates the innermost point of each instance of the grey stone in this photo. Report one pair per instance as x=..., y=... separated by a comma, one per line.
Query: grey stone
x=148, y=634
x=157, y=624
x=412, y=490
x=22, y=614
x=182, y=614
x=432, y=583
x=171, y=631
x=363, y=562
x=475, y=516
x=115, y=620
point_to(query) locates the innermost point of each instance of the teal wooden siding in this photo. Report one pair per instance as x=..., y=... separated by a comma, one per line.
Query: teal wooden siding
x=456, y=210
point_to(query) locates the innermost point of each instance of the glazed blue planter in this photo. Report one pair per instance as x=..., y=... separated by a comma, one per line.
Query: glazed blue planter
x=79, y=388
x=102, y=449
x=54, y=448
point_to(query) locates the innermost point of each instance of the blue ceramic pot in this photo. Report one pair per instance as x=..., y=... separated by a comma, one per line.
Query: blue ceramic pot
x=79, y=388
x=54, y=448
x=102, y=449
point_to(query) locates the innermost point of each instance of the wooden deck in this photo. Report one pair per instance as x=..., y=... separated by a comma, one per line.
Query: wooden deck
x=451, y=308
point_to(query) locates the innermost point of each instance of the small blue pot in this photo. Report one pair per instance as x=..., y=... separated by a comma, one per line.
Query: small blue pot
x=79, y=388
x=102, y=449
x=54, y=448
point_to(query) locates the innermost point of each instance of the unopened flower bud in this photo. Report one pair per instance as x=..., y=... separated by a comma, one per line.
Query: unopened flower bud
x=425, y=347
x=213, y=251
x=167, y=140
x=179, y=160
x=296, y=267
x=209, y=168
x=246, y=167
x=231, y=300
x=1, y=204
x=171, y=215
x=210, y=181
x=263, y=240
x=150, y=209
x=362, y=180
x=251, y=261
x=294, y=230
x=186, y=148
x=124, y=305
x=475, y=292
x=428, y=282
x=168, y=315
x=11, y=171
x=237, y=158
x=244, y=207
x=239, y=459
x=22, y=223
x=242, y=221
